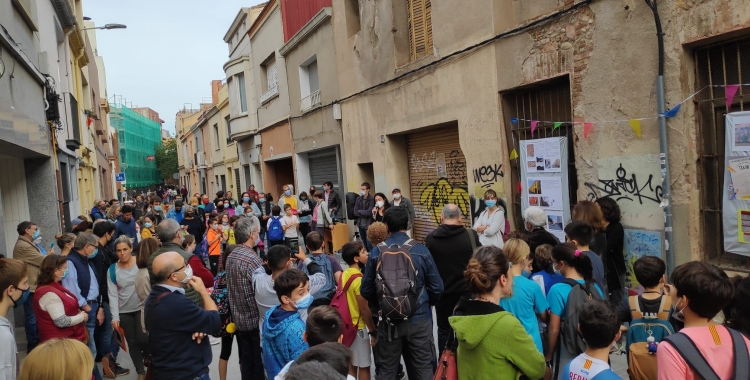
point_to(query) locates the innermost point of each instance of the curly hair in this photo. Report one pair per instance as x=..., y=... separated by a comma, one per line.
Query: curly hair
x=610, y=209
x=377, y=233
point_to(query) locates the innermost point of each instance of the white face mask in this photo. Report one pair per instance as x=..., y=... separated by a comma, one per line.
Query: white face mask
x=396, y=195
x=380, y=203
x=188, y=274
x=361, y=192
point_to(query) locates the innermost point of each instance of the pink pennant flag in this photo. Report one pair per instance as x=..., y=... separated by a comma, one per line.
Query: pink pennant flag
x=586, y=129
x=533, y=127
x=729, y=90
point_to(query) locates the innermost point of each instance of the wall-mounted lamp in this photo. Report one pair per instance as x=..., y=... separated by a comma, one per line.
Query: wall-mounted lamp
x=109, y=26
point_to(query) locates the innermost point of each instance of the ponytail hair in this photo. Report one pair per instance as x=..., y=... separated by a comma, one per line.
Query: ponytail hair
x=569, y=254
x=516, y=251
x=486, y=267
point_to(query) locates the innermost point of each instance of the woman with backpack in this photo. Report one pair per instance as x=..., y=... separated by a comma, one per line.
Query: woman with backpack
x=564, y=308
x=491, y=222
x=125, y=305
x=492, y=343
x=527, y=303
x=220, y=295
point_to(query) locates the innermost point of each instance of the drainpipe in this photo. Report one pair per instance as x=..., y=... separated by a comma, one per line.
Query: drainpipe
x=666, y=202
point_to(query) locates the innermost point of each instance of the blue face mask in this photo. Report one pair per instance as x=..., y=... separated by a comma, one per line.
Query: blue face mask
x=36, y=235
x=157, y=208
x=490, y=203
x=21, y=300
x=303, y=199
x=262, y=200
x=288, y=193
x=525, y=273
x=96, y=252
x=304, y=302
x=246, y=199
x=65, y=274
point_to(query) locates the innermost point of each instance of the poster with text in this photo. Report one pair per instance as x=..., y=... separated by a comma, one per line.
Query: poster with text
x=735, y=190
x=556, y=224
x=543, y=156
x=545, y=192
x=739, y=168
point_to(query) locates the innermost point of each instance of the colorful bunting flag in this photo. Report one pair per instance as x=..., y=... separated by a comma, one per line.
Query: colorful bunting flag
x=636, y=125
x=730, y=90
x=519, y=187
x=557, y=125
x=533, y=127
x=586, y=128
x=673, y=112
x=513, y=154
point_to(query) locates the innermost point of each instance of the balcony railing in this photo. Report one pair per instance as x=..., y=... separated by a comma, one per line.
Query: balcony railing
x=310, y=101
x=200, y=159
x=269, y=94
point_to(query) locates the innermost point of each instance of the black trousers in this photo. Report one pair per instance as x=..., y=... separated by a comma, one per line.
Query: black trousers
x=443, y=310
x=250, y=355
x=414, y=341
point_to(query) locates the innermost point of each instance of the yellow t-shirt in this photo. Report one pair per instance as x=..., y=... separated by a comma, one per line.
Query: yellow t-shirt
x=231, y=239
x=351, y=295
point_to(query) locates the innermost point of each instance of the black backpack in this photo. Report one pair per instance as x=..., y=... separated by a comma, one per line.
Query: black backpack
x=579, y=296
x=396, y=281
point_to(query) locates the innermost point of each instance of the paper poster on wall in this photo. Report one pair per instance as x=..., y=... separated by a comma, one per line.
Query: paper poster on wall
x=739, y=168
x=556, y=224
x=741, y=140
x=545, y=192
x=639, y=243
x=543, y=156
x=743, y=226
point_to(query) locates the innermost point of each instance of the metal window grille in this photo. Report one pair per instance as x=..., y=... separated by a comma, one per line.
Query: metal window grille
x=548, y=101
x=237, y=181
x=720, y=64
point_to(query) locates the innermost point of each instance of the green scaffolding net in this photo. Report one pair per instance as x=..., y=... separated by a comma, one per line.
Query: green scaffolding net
x=138, y=137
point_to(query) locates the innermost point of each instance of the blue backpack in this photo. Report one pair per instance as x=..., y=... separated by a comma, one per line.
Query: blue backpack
x=275, y=232
x=327, y=292
x=641, y=359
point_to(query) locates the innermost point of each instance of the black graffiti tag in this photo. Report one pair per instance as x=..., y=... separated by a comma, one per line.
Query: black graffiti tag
x=456, y=166
x=625, y=188
x=488, y=174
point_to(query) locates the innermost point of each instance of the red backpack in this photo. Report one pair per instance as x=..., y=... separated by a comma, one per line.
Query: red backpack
x=340, y=303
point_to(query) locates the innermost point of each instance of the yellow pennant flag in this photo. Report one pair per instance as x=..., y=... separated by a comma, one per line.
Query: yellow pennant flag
x=513, y=154
x=636, y=125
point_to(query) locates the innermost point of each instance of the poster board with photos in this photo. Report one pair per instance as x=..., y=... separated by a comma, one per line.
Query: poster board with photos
x=736, y=189
x=544, y=180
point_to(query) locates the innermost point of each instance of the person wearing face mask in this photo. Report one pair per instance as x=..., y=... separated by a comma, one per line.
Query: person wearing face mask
x=206, y=204
x=171, y=238
x=288, y=198
x=148, y=226
x=451, y=246
x=265, y=203
x=381, y=205
x=490, y=339
x=156, y=209
x=305, y=211
x=535, y=223
x=178, y=327
x=177, y=212
x=83, y=283
x=332, y=199
x=527, y=303
x=228, y=197
x=65, y=242
x=363, y=212
x=14, y=284
x=401, y=201
x=193, y=226
x=254, y=195
x=290, y=225
x=283, y=327
x=702, y=349
x=491, y=222
x=26, y=251
x=214, y=238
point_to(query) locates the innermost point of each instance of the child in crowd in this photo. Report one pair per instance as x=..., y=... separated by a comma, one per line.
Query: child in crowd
x=290, y=224
x=542, y=272
x=220, y=295
x=572, y=263
x=600, y=328
x=283, y=327
x=699, y=291
x=214, y=237
x=737, y=312
x=14, y=284
x=377, y=233
x=580, y=233
x=328, y=265
x=527, y=301
x=275, y=227
x=355, y=255
x=230, y=236
x=335, y=354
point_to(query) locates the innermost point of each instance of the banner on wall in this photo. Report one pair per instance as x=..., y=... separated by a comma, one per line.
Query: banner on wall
x=544, y=180
x=736, y=189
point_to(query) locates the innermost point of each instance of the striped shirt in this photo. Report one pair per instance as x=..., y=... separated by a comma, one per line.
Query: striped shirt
x=240, y=265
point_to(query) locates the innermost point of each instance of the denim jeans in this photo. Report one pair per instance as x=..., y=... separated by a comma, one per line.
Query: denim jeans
x=105, y=342
x=32, y=335
x=363, y=236
x=91, y=326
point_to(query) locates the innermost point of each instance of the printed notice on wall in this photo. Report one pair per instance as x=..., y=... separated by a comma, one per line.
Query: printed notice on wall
x=543, y=156
x=739, y=169
x=545, y=192
x=743, y=224
x=556, y=224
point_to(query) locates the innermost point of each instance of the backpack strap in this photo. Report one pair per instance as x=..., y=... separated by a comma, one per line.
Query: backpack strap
x=664, y=308
x=573, y=283
x=112, y=273
x=692, y=356
x=348, y=282
x=635, y=307
x=741, y=355
x=471, y=239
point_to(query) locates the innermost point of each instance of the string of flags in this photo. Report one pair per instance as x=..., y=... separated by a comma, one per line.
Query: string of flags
x=730, y=90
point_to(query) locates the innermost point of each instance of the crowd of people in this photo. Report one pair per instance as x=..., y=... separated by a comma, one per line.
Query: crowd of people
x=167, y=278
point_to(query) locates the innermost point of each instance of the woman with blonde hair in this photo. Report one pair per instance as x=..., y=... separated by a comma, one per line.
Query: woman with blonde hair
x=490, y=339
x=527, y=301
x=114, y=213
x=65, y=242
x=142, y=281
x=58, y=359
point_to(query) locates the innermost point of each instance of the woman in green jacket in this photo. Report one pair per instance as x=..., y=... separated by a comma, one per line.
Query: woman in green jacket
x=492, y=343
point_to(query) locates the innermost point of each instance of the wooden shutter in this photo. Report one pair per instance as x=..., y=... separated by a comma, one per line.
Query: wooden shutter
x=420, y=27
x=437, y=176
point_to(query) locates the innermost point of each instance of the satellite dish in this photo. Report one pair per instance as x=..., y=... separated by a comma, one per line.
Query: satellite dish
x=176, y=175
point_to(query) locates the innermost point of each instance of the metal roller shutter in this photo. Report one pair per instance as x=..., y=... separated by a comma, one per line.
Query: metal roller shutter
x=437, y=176
x=324, y=168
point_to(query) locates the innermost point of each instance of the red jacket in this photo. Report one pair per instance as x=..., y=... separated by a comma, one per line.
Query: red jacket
x=200, y=270
x=46, y=327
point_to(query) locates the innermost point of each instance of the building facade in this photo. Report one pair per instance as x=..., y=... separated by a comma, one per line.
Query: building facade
x=137, y=137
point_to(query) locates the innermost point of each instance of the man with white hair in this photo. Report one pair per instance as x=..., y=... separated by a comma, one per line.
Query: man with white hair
x=535, y=221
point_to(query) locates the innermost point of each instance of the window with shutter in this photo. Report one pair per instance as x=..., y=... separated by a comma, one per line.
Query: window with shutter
x=420, y=27
x=312, y=70
x=271, y=76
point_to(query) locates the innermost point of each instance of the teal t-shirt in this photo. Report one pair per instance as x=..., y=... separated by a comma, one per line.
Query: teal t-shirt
x=526, y=302
x=558, y=297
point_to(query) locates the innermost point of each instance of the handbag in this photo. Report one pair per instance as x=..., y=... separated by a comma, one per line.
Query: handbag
x=447, y=366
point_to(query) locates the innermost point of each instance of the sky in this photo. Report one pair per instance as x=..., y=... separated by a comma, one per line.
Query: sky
x=169, y=53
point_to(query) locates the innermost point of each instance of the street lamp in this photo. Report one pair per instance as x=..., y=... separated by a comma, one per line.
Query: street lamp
x=109, y=26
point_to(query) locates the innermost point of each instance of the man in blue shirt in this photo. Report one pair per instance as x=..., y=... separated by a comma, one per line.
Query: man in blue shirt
x=177, y=213
x=413, y=337
x=177, y=326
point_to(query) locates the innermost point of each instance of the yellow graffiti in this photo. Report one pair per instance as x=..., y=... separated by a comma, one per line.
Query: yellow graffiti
x=436, y=195
x=630, y=280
